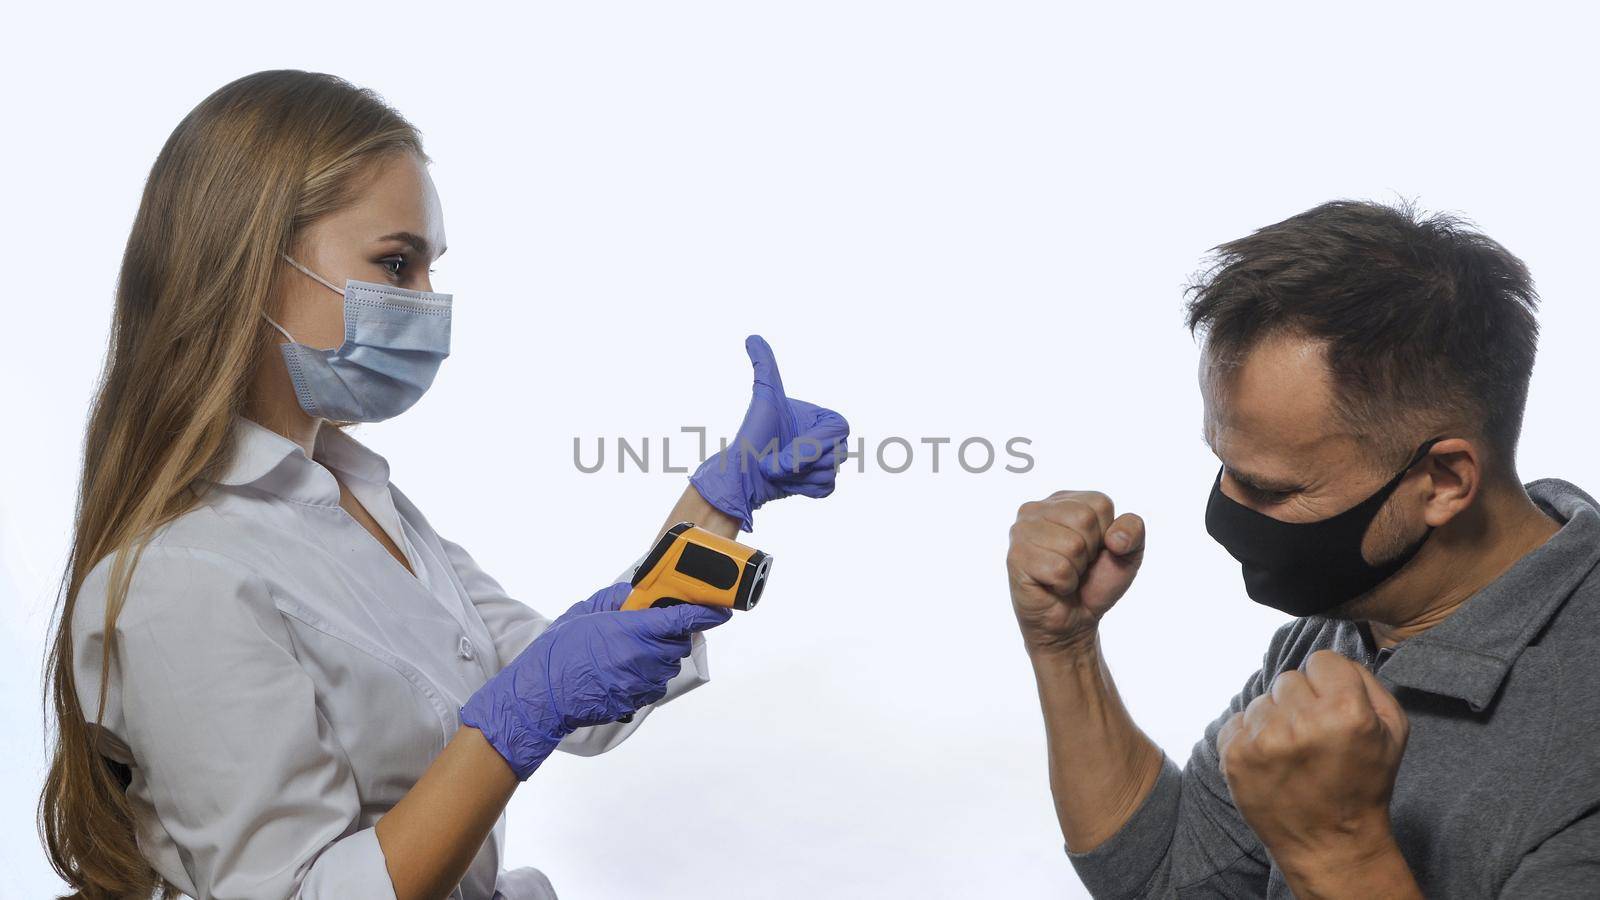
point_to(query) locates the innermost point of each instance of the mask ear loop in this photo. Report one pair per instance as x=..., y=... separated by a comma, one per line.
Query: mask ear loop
x=1422, y=452
x=281, y=330
x=324, y=282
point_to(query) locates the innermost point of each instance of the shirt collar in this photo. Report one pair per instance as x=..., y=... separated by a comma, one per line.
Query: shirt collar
x=1469, y=654
x=265, y=459
x=337, y=450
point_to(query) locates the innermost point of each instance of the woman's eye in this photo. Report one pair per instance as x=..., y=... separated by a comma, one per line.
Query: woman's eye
x=399, y=261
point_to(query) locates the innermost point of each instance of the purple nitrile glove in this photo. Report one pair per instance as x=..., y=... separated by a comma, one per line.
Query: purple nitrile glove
x=595, y=663
x=783, y=447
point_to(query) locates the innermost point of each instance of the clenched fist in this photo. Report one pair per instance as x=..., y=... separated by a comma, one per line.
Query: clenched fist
x=1311, y=764
x=1071, y=559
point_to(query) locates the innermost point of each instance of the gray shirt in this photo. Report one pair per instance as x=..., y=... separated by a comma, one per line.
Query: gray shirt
x=1498, y=794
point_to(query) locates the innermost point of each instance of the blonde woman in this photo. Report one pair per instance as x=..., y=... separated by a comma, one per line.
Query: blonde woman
x=271, y=677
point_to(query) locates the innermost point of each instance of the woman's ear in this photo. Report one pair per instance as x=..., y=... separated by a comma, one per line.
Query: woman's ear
x=307, y=306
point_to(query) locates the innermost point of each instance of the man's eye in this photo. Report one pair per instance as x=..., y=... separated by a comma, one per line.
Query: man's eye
x=1269, y=498
x=1261, y=495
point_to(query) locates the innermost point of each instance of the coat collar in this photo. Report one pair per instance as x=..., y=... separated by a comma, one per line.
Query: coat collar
x=1469, y=654
x=270, y=462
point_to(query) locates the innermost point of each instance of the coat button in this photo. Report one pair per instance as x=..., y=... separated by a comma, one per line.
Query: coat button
x=465, y=648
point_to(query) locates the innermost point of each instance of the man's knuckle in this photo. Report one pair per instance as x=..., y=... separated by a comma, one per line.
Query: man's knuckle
x=1349, y=712
x=1274, y=741
x=1098, y=502
x=1081, y=515
x=1329, y=660
x=1073, y=543
x=1235, y=754
x=1288, y=678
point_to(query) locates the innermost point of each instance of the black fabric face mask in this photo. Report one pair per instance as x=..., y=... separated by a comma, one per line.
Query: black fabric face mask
x=1306, y=568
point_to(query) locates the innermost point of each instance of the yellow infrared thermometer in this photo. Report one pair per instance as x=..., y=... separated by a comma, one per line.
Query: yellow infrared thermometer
x=691, y=565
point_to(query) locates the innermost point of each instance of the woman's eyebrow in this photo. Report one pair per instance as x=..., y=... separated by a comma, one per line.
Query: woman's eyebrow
x=417, y=242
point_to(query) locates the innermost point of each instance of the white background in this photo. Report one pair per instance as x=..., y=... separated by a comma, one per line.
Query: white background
x=949, y=219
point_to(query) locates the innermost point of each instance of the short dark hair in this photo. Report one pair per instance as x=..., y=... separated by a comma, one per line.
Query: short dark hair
x=1425, y=320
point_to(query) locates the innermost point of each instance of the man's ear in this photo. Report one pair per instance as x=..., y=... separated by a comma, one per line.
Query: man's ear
x=1454, y=469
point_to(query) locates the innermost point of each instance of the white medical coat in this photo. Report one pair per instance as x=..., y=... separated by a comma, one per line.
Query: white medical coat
x=281, y=681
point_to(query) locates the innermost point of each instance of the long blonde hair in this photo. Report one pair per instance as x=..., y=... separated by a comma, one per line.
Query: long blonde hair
x=239, y=180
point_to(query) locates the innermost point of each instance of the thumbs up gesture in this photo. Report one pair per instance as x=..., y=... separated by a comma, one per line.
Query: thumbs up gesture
x=784, y=447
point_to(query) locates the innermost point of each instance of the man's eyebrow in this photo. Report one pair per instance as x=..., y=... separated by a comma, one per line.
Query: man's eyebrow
x=1264, y=484
x=417, y=242
x=1260, y=483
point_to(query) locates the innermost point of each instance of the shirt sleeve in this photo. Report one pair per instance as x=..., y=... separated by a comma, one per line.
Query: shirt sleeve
x=228, y=746
x=514, y=625
x=523, y=884
x=1187, y=834
x=1566, y=864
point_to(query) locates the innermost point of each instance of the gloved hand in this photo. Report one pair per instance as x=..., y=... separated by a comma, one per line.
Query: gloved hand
x=783, y=447
x=594, y=664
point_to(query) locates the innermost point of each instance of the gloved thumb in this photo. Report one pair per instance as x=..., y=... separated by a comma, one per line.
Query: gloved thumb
x=676, y=622
x=607, y=599
x=611, y=597
x=764, y=363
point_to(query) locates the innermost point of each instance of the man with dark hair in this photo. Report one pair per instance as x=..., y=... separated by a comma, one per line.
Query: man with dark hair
x=1429, y=723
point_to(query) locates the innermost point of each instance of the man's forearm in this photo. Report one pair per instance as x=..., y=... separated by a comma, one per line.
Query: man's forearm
x=1101, y=765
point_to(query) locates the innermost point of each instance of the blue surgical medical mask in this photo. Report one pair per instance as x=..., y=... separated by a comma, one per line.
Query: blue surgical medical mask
x=394, y=340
